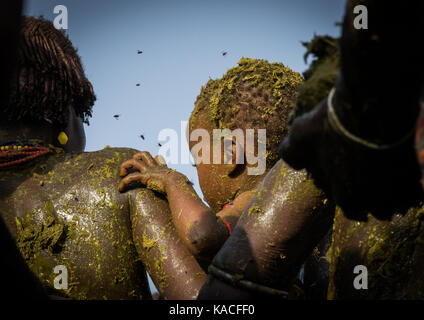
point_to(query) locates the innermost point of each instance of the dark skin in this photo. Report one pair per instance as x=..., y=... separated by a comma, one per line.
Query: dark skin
x=77, y=191
x=375, y=102
x=392, y=250
x=18, y=281
x=173, y=269
x=200, y=227
x=177, y=238
x=197, y=225
x=269, y=248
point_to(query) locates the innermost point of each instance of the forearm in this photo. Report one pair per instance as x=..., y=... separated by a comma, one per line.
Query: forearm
x=174, y=271
x=196, y=223
x=286, y=219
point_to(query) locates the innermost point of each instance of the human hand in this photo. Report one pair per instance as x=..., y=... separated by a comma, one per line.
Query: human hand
x=144, y=169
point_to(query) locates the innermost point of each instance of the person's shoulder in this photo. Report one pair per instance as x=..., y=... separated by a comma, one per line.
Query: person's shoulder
x=109, y=152
x=107, y=155
x=100, y=165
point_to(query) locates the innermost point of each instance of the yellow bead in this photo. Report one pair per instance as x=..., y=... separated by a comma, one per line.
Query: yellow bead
x=63, y=138
x=2, y=147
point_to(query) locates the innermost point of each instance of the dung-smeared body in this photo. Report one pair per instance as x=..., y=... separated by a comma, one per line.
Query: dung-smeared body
x=66, y=210
x=392, y=251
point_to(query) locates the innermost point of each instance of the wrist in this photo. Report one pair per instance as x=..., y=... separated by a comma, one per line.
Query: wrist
x=174, y=178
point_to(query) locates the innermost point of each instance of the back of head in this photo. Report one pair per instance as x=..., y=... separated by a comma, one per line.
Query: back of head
x=256, y=94
x=49, y=78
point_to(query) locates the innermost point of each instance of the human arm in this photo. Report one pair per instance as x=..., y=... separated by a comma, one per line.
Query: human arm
x=199, y=227
x=287, y=217
x=367, y=98
x=173, y=269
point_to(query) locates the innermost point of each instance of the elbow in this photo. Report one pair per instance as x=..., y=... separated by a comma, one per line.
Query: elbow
x=202, y=240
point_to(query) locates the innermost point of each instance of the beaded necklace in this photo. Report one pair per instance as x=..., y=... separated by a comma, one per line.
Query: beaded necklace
x=18, y=152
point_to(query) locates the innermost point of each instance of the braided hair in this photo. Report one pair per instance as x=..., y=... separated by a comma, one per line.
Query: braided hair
x=49, y=78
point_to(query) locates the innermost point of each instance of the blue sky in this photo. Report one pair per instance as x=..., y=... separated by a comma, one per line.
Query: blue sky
x=182, y=43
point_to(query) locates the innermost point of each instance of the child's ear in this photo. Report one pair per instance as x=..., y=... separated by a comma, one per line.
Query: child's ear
x=238, y=158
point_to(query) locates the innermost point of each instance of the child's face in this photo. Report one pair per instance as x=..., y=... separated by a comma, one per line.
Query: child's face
x=218, y=187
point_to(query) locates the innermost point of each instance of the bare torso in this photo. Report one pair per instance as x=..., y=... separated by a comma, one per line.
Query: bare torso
x=66, y=210
x=392, y=251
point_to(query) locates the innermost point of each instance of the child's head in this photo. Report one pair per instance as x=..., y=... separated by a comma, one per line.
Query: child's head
x=254, y=95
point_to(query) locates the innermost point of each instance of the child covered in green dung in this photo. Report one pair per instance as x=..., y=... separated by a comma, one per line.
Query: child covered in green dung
x=254, y=95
